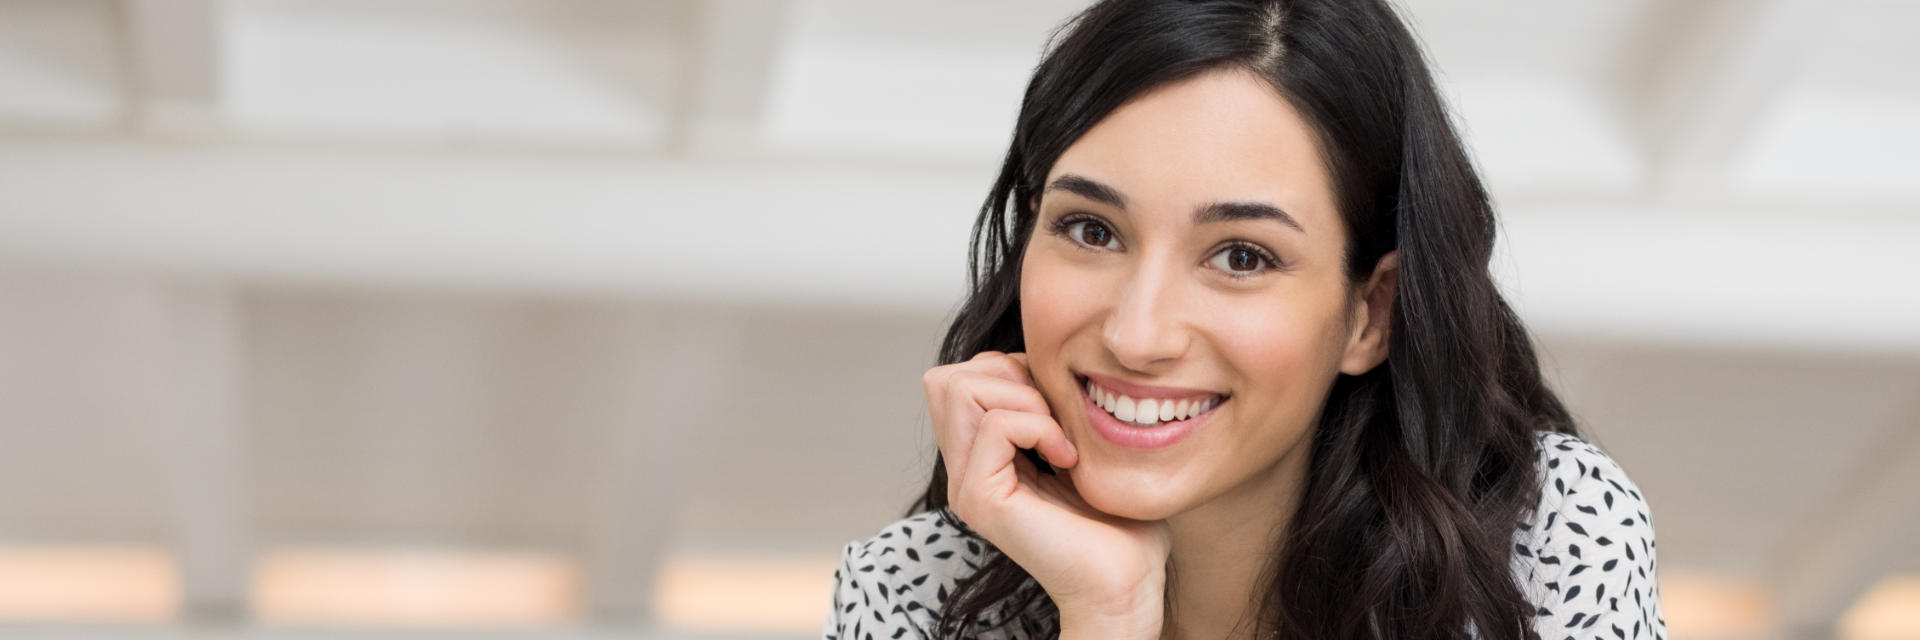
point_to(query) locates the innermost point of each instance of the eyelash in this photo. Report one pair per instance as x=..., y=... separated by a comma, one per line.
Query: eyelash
x=1272, y=263
x=1062, y=226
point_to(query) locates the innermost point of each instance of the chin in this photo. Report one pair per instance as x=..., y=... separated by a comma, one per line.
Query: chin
x=1131, y=494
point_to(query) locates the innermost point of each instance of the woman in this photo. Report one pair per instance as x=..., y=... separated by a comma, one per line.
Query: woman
x=1233, y=366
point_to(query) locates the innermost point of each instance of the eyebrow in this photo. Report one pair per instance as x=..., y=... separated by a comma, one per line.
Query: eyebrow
x=1211, y=212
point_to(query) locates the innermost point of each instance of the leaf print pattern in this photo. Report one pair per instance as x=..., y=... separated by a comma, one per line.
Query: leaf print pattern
x=1586, y=559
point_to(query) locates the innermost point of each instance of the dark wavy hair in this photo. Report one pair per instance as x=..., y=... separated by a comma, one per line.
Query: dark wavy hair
x=1423, y=468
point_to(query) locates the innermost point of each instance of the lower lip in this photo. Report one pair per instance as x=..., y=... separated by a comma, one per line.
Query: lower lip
x=1132, y=437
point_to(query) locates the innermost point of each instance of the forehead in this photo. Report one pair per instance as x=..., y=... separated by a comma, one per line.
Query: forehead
x=1220, y=135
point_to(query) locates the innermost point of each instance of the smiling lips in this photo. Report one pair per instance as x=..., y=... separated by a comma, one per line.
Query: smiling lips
x=1150, y=411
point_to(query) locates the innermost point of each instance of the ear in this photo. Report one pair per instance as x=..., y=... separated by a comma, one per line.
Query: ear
x=1372, y=315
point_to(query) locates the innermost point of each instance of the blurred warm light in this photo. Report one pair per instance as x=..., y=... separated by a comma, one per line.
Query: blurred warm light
x=1699, y=605
x=87, y=583
x=1889, y=611
x=730, y=593
x=416, y=588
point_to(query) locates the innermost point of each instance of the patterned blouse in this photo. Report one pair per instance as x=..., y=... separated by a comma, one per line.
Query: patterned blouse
x=1586, y=559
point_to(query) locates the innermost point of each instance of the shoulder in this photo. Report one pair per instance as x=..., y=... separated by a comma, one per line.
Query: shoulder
x=927, y=544
x=1582, y=488
x=1587, y=553
x=897, y=580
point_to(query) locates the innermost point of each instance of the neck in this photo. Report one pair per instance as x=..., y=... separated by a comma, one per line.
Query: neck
x=1221, y=551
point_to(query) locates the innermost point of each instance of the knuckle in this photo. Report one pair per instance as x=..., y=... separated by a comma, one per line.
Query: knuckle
x=933, y=377
x=997, y=364
x=1033, y=395
x=1001, y=362
x=965, y=380
x=996, y=420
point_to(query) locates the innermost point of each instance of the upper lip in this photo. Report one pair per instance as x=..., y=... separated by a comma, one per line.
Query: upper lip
x=1141, y=391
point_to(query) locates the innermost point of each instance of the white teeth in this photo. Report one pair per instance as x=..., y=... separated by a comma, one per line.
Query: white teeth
x=1150, y=411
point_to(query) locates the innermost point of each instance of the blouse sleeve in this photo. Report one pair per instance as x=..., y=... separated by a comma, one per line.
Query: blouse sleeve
x=1594, y=549
x=864, y=601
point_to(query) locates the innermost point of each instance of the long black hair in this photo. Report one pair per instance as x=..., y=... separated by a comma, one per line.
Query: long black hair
x=1422, y=468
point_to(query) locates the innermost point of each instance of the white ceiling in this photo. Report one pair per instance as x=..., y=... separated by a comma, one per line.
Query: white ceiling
x=576, y=144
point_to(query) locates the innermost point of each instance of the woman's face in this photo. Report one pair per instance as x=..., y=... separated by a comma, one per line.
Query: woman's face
x=1188, y=252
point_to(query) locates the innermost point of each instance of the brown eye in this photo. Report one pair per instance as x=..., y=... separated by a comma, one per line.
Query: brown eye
x=1242, y=260
x=1092, y=234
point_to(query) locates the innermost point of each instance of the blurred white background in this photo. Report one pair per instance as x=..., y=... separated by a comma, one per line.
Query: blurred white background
x=583, y=318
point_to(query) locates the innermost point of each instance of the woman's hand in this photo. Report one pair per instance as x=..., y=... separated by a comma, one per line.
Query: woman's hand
x=1103, y=572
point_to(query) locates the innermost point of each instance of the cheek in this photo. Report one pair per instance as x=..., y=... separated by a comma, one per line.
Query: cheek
x=1060, y=304
x=1280, y=350
x=1054, y=301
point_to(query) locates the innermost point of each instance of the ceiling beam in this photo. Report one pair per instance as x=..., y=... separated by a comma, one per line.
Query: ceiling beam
x=1698, y=78
x=872, y=235
x=732, y=73
x=174, y=58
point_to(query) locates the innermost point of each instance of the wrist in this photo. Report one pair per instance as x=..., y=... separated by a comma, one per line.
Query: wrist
x=1135, y=616
x=1082, y=626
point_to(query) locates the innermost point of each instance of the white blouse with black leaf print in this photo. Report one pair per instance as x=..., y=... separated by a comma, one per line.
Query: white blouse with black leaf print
x=1586, y=558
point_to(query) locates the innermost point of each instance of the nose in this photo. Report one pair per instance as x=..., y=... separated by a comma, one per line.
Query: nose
x=1145, y=330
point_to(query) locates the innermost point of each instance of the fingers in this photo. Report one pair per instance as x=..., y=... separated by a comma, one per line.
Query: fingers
x=992, y=392
x=960, y=395
x=1011, y=367
x=940, y=384
x=1036, y=431
x=969, y=398
x=990, y=474
x=957, y=398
